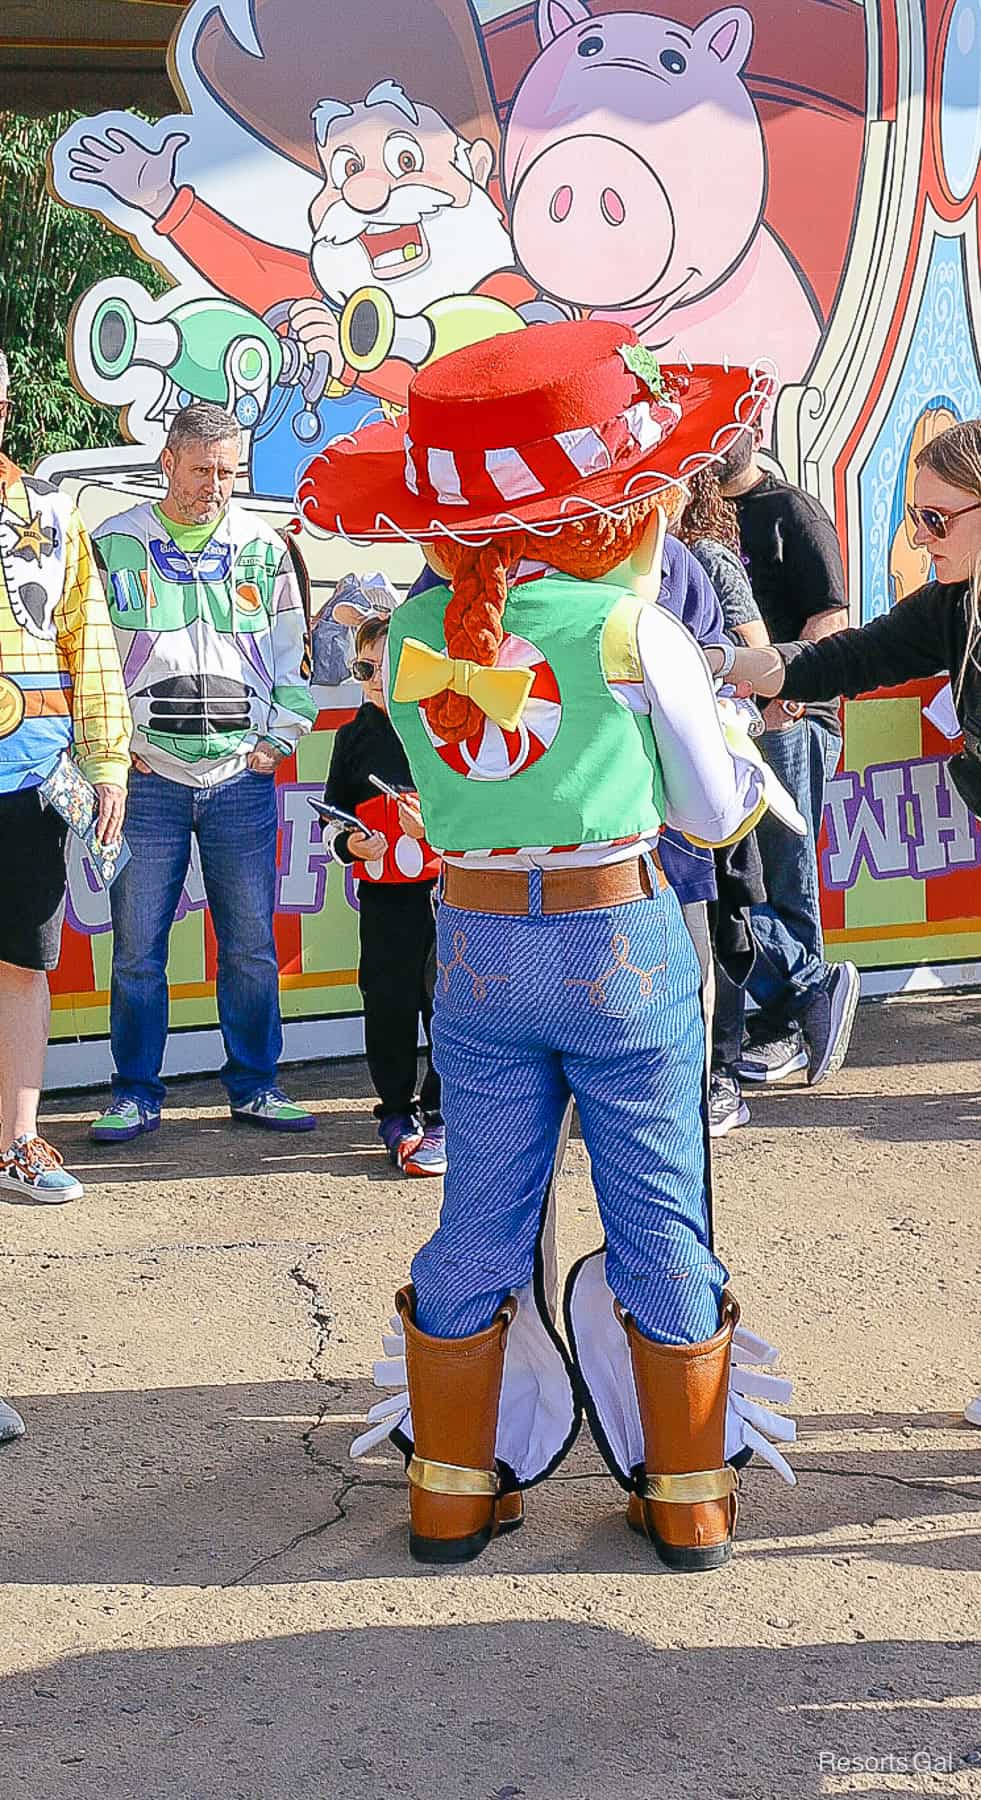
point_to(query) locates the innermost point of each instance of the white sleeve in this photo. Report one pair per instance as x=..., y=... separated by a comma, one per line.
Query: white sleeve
x=712, y=793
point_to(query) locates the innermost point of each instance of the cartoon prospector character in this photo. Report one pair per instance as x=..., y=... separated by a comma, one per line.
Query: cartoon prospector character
x=410, y=256
x=543, y=701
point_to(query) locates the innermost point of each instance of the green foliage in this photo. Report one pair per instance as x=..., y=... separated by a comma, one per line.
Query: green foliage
x=50, y=255
x=644, y=364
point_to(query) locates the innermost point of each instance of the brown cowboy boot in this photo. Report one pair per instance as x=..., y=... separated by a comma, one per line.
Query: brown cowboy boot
x=687, y=1504
x=455, y=1501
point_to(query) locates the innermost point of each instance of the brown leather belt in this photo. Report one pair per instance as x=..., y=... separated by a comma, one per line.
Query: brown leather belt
x=563, y=890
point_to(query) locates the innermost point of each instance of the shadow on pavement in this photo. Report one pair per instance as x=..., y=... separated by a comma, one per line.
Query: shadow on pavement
x=510, y=1708
x=885, y=1118
x=197, y=1137
x=215, y=1485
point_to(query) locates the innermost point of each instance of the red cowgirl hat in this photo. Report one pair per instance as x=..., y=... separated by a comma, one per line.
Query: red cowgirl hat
x=528, y=431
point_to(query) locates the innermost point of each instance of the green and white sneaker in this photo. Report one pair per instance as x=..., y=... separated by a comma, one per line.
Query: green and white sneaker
x=36, y=1172
x=271, y=1111
x=123, y=1120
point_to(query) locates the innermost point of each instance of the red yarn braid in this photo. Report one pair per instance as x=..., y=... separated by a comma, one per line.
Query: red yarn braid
x=474, y=620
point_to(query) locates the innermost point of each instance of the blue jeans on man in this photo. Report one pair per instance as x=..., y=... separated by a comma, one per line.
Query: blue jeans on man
x=790, y=962
x=235, y=825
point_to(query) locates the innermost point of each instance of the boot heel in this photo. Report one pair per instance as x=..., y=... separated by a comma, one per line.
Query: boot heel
x=449, y=1550
x=686, y=1561
x=510, y=1512
x=510, y=1517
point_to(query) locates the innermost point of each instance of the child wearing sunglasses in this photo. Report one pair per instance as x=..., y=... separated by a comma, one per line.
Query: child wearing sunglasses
x=397, y=969
x=936, y=631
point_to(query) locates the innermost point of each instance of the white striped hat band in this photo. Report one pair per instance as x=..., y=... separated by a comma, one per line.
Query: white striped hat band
x=547, y=466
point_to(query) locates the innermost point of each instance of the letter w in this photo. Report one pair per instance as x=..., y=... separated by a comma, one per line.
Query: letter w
x=866, y=820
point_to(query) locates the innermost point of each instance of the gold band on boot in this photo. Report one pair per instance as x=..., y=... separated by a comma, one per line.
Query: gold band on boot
x=689, y=1490
x=450, y=1478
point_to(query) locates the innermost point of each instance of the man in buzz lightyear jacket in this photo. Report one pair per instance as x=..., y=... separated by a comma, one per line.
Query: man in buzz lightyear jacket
x=210, y=623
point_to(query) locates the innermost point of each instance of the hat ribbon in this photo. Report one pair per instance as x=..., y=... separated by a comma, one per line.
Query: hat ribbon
x=500, y=693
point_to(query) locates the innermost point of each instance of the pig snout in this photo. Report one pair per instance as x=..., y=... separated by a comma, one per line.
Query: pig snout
x=592, y=222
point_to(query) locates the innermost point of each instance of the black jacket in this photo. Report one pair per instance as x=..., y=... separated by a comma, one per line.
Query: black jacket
x=367, y=745
x=925, y=635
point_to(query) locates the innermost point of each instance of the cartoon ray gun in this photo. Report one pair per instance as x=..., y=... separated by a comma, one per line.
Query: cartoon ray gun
x=371, y=331
x=207, y=349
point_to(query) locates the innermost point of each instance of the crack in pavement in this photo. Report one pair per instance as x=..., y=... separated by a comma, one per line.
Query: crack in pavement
x=907, y=1481
x=146, y=1252
x=347, y=1483
x=320, y=1319
x=340, y=1494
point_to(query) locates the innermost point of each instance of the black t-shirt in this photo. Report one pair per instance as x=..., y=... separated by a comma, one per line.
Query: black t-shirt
x=794, y=561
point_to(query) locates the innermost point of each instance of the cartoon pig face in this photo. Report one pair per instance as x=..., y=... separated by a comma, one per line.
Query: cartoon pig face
x=634, y=163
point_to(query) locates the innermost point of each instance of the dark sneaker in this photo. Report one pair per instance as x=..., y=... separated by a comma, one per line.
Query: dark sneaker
x=828, y=1019
x=401, y=1133
x=774, y=1057
x=123, y=1120
x=429, y=1156
x=726, y=1106
x=273, y=1112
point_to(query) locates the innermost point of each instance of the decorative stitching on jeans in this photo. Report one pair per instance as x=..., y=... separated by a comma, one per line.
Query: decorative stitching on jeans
x=479, y=988
x=620, y=946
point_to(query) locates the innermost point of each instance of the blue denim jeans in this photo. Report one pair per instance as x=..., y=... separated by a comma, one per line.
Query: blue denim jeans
x=235, y=825
x=605, y=1006
x=789, y=941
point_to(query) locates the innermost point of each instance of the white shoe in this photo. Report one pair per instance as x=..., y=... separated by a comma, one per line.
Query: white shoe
x=11, y=1423
x=972, y=1411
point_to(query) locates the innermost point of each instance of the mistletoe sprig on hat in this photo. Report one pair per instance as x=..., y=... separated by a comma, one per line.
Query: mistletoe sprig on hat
x=644, y=364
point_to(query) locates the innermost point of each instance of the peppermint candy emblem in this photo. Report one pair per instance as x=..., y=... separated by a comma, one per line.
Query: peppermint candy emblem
x=495, y=755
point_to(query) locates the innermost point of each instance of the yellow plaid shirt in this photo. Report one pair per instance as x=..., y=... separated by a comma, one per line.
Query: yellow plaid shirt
x=60, y=679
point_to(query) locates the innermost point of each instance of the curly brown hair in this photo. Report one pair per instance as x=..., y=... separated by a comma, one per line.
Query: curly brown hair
x=708, y=514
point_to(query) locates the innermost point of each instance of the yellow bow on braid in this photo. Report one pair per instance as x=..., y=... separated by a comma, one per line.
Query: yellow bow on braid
x=500, y=693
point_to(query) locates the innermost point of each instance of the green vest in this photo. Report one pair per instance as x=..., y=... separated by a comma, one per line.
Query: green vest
x=599, y=777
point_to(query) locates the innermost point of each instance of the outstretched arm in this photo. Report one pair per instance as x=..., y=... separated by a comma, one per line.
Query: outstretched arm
x=906, y=644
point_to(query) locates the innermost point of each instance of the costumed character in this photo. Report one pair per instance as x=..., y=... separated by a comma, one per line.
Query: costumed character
x=554, y=720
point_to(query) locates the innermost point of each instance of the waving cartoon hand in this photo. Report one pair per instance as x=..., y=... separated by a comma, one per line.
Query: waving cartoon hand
x=140, y=177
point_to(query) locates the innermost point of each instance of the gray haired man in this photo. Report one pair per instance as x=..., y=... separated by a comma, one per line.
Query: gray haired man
x=211, y=626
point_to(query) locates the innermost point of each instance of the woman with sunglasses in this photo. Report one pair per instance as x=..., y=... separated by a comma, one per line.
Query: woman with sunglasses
x=937, y=630
x=396, y=924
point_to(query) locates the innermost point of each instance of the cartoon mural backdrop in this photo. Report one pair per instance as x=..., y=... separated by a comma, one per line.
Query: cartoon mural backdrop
x=350, y=190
